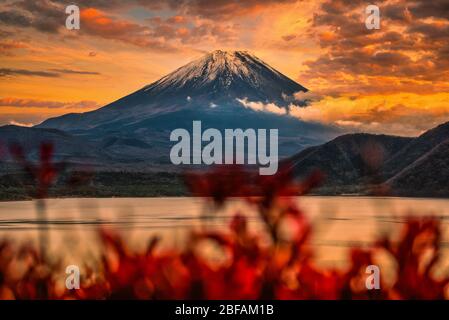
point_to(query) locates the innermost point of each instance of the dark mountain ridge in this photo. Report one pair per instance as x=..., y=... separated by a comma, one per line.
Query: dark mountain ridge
x=354, y=163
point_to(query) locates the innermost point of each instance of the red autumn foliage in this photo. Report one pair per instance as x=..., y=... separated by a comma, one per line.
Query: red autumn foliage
x=251, y=268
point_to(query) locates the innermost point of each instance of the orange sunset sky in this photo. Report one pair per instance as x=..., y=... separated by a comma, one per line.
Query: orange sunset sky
x=394, y=80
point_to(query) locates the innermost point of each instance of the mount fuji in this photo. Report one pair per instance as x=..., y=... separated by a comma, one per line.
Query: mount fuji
x=128, y=141
x=216, y=89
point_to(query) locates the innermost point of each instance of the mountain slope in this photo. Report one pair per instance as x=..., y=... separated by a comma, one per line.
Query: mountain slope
x=409, y=166
x=416, y=149
x=66, y=147
x=102, y=155
x=429, y=175
x=348, y=159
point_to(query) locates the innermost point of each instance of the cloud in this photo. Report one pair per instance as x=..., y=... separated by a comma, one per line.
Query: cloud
x=399, y=113
x=102, y=4
x=15, y=18
x=346, y=66
x=191, y=30
x=263, y=107
x=161, y=34
x=33, y=103
x=308, y=96
x=24, y=118
x=97, y=23
x=21, y=124
x=181, y=26
x=51, y=73
x=4, y=72
x=425, y=9
x=223, y=9
x=8, y=46
x=69, y=71
x=411, y=46
x=390, y=80
x=191, y=20
x=215, y=9
x=289, y=37
x=45, y=15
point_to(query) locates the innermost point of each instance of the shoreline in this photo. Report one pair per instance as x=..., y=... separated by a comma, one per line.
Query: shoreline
x=189, y=196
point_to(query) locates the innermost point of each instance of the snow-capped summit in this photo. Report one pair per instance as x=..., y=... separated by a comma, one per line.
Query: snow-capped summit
x=227, y=74
x=221, y=65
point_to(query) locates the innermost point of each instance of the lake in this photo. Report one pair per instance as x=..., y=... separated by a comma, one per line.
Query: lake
x=339, y=222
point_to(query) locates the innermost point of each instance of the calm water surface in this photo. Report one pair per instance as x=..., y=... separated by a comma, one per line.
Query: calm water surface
x=340, y=222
